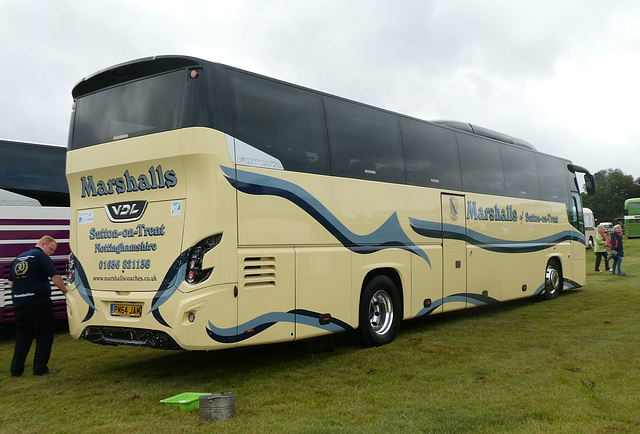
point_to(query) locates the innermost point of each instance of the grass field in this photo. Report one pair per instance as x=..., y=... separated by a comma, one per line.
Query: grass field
x=562, y=366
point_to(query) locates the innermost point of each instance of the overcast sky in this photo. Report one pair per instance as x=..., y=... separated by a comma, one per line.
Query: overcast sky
x=562, y=75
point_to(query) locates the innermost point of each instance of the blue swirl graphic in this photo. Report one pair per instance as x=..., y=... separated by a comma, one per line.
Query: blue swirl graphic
x=480, y=300
x=389, y=235
x=82, y=285
x=263, y=322
x=475, y=299
x=170, y=283
x=455, y=232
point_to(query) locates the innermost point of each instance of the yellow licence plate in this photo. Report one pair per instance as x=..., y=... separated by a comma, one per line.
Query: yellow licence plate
x=134, y=310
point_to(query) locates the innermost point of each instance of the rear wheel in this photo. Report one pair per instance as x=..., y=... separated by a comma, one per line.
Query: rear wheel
x=552, y=280
x=380, y=311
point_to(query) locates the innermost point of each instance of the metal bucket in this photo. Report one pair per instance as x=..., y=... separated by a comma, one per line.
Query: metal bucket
x=219, y=406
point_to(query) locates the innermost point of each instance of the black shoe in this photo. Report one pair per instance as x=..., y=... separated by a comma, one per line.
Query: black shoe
x=49, y=372
x=15, y=376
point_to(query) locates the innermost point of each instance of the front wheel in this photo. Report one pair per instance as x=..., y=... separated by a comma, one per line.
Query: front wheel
x=380, y=311
x=552, y=280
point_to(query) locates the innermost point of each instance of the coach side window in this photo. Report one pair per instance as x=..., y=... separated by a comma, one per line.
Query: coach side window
x=520, y=173
x=284, y=121
x=364, y=142
x=431, y=155
x=553, y=180
x=481, y=165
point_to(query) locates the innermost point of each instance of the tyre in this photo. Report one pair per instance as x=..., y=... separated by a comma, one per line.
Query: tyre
x=552, y=280
x=380, y=311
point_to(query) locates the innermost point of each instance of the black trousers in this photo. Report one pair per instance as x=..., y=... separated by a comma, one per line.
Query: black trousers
x=33, y=322
x=599, y=257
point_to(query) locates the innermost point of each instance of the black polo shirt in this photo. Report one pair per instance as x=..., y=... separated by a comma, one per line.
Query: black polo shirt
x=30, y=273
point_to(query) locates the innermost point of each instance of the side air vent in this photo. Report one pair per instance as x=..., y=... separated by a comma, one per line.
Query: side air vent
x=259, y=272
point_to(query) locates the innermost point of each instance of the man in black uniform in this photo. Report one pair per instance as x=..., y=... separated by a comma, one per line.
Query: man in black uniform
x=31, y=294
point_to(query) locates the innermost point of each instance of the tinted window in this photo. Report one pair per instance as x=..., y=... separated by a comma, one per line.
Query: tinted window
x=481, y=165
x=576, y=216
x=572, y=180
x=520, y=173
x=37, y=171
x=145, y=106
x=431, y=155
x=365, y=143
x=283, y=121
x=553, y=180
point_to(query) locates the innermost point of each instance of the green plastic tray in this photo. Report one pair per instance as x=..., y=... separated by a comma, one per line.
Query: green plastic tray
x=185, y=401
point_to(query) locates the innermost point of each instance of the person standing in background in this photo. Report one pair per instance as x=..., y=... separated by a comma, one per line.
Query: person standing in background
x=600, y=250
x=31, y=294
x=616, y=246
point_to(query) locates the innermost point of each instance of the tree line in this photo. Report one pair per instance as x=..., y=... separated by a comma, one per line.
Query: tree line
x=613, y=187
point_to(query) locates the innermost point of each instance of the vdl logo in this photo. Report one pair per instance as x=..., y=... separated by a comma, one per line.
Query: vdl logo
x=126, y=211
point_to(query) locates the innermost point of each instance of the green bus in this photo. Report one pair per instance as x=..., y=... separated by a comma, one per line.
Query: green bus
x=632, y=217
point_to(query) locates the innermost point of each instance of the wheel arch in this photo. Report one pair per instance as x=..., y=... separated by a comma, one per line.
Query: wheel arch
x=554, y=262
x=380, y=306
x=557, y=259
x=392, y=274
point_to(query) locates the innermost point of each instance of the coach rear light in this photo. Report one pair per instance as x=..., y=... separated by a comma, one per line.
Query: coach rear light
x=191, y=276
x=195, y=273
x=71, y=270
x=195, y=257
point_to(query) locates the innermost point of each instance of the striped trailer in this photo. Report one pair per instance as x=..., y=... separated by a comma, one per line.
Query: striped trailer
x=22, y=223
